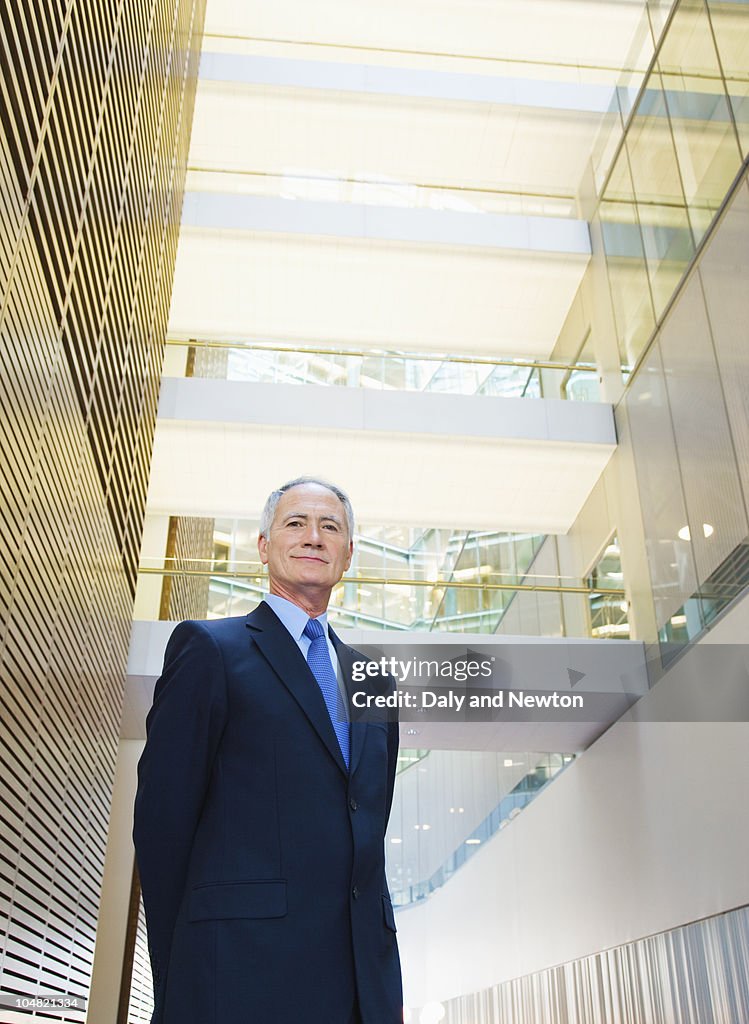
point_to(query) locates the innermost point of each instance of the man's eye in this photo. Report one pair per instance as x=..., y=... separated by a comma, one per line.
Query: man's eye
x=331, y=526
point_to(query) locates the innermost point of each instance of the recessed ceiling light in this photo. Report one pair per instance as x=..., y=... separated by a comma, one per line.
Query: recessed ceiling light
x=472, y=842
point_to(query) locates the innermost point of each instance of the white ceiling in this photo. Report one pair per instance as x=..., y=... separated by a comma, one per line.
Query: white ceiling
x=407, y=139
x=475, y=107
x=228, y=470
x=349, y=292
x=579, y=33
x=431, y=107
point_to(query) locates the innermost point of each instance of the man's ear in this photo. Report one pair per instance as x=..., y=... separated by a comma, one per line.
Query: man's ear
x=350, y=554
x=262, y=546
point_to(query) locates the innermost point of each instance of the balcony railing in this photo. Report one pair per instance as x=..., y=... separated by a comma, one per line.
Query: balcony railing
x=376, y=599
x=268, y=362
x=430, y=837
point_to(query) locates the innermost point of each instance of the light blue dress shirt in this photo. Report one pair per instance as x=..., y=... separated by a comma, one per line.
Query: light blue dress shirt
x=295, y=619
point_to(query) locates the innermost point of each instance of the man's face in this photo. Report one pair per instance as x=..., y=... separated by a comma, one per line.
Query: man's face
x=308, y=548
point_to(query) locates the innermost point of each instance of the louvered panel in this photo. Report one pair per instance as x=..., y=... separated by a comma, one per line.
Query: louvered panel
x=89, y=158
x=691, y=975
x=141, y=984
x=186, y=597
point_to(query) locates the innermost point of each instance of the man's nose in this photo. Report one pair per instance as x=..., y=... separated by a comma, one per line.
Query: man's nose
x=313, y=536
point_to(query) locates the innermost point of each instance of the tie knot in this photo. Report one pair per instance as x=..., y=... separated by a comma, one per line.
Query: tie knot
x=313, y=630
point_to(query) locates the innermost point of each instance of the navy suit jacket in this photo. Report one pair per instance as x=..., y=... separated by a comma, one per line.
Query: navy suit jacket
x=261, y=858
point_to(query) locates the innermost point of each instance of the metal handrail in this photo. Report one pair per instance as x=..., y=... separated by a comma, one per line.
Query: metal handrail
x=272, y=346
x=389, y=580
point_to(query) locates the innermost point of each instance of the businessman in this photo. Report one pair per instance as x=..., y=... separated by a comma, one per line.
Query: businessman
x=261, y=812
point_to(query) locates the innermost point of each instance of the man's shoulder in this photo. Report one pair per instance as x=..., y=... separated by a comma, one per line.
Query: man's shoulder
x=216, y=630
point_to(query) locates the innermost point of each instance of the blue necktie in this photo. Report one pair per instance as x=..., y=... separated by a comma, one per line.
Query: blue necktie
x=318, y=659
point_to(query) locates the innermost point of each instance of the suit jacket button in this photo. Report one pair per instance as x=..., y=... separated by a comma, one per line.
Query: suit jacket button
x=355, y=892
x=353, y=804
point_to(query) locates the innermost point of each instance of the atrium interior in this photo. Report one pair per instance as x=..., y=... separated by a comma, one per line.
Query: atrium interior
x=484, y=266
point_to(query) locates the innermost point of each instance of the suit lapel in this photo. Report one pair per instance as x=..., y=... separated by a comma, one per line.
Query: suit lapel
x=286, y=660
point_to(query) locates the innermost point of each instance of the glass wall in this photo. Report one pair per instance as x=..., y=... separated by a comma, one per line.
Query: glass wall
x=682, y=149
x=688, y=411
x=448, y=803
x=731, y=31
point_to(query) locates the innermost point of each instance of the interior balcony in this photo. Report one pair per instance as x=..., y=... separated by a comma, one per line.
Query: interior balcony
x=406, y=455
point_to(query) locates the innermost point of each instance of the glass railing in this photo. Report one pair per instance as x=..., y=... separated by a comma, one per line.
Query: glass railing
x=401, y=578
x=407, y=758
x=269, y=363
x=723, y=586
x=449, y=804
x=377, y=191
x=379, y=600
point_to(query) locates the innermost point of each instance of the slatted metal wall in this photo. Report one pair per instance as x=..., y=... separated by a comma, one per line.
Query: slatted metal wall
x=95, y=107
x=691, y=975
x=189, y=546
x=140, y=995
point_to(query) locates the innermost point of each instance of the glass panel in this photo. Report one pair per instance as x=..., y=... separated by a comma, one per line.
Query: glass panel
x=448, y=803
x=684, y=625
x=679, y=159
x=724, y=272
x=731, y=27
x=673, y=574
x=706, y=145
x=667, y=238
x=583, y=387
x=380, y=371
x=628, y=83
x=659, y=11
x=612, y=129
x=625, y=260
x=608, y=613
x=716, y=518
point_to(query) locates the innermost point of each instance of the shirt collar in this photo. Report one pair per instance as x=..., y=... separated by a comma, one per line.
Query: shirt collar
x=292, y=616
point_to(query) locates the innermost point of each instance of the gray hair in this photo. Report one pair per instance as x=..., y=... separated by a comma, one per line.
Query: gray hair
x=269, y=510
